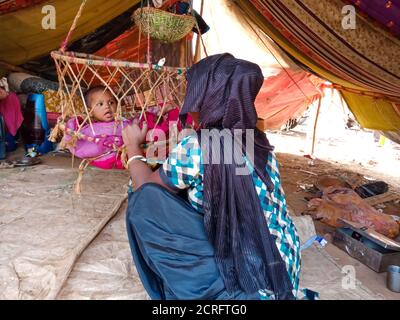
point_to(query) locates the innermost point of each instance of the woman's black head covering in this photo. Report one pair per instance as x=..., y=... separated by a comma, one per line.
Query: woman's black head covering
x=223, y=90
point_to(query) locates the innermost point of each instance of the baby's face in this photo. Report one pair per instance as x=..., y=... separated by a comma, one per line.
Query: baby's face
x=103, y=106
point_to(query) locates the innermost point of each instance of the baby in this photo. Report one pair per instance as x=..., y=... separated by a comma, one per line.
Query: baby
x=101, y=104
x=100, y=141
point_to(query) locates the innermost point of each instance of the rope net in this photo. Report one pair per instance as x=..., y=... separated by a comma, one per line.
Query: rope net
x=138, y=89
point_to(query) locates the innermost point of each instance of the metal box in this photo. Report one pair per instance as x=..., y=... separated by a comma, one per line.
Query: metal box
x=366, y=249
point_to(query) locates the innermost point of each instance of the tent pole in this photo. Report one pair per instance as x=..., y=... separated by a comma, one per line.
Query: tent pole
x=197, y=51
x=315, y=126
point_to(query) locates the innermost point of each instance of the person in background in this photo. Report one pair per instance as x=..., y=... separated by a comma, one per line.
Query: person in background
x=10, y=109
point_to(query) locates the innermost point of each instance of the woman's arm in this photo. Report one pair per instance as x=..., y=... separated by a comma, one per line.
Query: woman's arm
x=140, y=172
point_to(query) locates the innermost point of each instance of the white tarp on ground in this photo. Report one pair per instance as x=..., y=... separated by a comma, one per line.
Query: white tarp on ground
x=105, y=270
x=44, y=227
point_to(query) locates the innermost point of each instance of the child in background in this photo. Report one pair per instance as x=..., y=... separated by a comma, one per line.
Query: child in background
x=101, y=140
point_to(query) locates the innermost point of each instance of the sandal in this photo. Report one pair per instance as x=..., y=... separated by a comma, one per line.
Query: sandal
x=27, y=161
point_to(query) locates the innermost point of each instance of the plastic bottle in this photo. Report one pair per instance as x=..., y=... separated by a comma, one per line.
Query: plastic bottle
x=35, y=128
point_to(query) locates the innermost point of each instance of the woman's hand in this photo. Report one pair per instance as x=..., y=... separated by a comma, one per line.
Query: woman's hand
x=133, y=137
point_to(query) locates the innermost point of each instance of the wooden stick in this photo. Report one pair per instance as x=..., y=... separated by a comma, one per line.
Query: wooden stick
x=197, y=51
x=309, y=172
x=64, y=44
x=315, y=126
x=382, y=198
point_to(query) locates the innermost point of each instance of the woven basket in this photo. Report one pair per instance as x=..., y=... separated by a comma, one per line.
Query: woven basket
x=162, y=25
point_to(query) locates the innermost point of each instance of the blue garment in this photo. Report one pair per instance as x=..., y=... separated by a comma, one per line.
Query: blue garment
x=11, y=143
x=170, y=248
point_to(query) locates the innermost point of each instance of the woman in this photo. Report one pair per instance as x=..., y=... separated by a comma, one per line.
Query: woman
x=233, y=238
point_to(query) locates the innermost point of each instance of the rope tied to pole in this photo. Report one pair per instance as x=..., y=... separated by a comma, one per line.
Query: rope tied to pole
x=64, y=44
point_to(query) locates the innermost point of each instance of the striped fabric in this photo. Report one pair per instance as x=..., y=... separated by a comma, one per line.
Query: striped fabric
x=184, y=170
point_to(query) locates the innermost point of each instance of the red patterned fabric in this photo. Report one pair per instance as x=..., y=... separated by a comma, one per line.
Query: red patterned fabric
x=126, y=47
x=14, y=5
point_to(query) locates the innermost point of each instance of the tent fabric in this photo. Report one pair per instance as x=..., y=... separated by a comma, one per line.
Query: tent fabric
x=99, y=38
x=264, y=24
x=385, y=13
x=7, y=6
x=392, y=135
x=227, y=35
x=126, y=47
x=287, y=90
x=365, y=55
x=359, y=59
x=372, y=112
x=24, y=39
x=285, y=96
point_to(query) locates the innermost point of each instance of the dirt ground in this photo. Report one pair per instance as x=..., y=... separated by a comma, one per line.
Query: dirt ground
x=352, y=155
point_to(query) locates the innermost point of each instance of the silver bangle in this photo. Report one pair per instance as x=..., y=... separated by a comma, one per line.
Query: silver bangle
x=137, y=157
